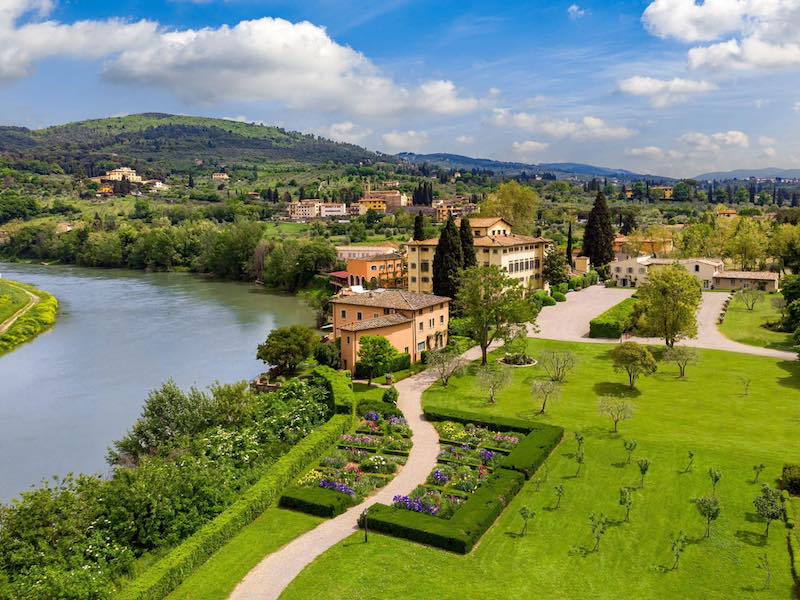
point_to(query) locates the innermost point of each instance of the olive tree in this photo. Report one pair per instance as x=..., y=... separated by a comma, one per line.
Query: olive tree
x=749, y=297
x=709, y=508
x=682, y=356
x=493, y=378
x=543, y=391
x=769, y=505
x=557, y=364
x=615, y=408
x=635, y=360
x=445, y=363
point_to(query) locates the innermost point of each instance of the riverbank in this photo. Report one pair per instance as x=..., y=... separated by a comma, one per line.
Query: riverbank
x=35, y=316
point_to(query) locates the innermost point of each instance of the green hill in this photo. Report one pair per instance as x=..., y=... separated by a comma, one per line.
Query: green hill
x=169, y=142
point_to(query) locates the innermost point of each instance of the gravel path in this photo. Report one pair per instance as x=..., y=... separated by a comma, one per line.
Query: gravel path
x=34, y=300
x=268, y=579
x=569, y=321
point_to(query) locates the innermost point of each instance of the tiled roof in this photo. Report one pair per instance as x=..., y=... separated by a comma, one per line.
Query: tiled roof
x=376, y=323
x=397, y=299
x=764, y=275
x=389, y=256
x=482, y=221
x=488, y=241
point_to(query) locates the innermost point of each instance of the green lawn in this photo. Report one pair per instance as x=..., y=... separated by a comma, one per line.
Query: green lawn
x=707, y=413
x=11, y=300
x=219, y=575
x=749, y=326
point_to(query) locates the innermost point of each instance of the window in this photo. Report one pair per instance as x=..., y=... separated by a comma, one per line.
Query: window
x=344, y=314
x=441, y=319
x=617, y=269
x=425, y=279
x=431, y=323
x=697, y=268
x=413, y=265
x=348, y=339
x=421, y=325
x=642, y=269
x=424, y=266
x=630, y=269
x=421, y=347
x=413, y=279
x=373, y=268
x=405, y=349
x=358, y=316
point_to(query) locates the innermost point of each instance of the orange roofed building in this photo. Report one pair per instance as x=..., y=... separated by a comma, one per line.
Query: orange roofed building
x=384, y=270
x=413, y=323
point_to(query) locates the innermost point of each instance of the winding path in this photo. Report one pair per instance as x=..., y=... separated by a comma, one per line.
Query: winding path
x=33, y=301
x=268, y=579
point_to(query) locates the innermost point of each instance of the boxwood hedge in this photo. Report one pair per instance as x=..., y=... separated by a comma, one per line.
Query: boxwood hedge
x=339, y=386
x=533, y=449
x=316, y=501
x=615, y=321
x=493, y=422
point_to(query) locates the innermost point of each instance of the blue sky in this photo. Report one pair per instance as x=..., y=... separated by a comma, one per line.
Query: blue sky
x=662, y=86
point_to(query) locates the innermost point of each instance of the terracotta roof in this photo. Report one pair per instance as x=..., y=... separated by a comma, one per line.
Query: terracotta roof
x=483, y=221
x=389, y=256
x=398, y=299
x=763, y=275
x=491, y=241
x=376, y=323
x=339, y=274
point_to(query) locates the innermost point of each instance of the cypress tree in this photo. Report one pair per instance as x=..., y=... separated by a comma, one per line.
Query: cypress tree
x=467, y=244
x=598, y=238
x=569, y=245
x=419, y=227
x=448, y=261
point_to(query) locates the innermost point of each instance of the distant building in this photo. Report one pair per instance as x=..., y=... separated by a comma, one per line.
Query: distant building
x=346, y=253
x=727, y=213
x=367, y=204
x=105, y=190
x=412, y=323
x=632, y=272
x=332, y=209
x=744, y=280
x=383, y=270
x=304, y=210
x=622, y=246
x=156, y=186
x=520, y=256
x=123, y=174
x=221, y=177
x=661, y=192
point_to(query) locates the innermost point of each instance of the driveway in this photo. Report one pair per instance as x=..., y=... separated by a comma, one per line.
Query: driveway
x=569, y=321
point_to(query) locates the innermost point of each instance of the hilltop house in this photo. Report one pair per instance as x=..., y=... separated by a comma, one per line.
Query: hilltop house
x=413, y=323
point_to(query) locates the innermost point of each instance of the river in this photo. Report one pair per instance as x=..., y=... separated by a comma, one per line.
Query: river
x=65, y=396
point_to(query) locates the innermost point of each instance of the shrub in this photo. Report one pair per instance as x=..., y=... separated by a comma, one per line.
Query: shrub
x=316, y=501
x=615, y=321
x=401, y=362
x=493, y=422
x=390, y=395
x=544, y=298
x=338, y=386
x=576, y=283
x=791, y=479
x=558, y=296
x=533, y=449
x=378, y=406
x=562, y=287
x=170, y=571
x=327, y=355
x=610, y=283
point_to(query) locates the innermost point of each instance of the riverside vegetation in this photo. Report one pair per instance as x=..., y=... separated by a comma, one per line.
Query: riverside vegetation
x=37, y=319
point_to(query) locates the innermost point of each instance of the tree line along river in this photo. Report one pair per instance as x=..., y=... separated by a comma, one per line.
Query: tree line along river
x=69, y=393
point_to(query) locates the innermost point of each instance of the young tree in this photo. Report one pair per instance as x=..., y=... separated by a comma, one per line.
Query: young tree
x=543, y=392
x=749, y=297
x=668, y=302
x=714, y=475
x=757, y=470
x=679, y=543
x=630, y=447
x=598, y=237
x=580, y=458
x=568, y=251
x=598, y=524
x=690, y=463
x=626, y=501
x=763, y=564
x=769, y=506
x=445, y=363
x=779, y=304
x=559, y=494
x=557, y=364
x=578, y=440
x=635, y=359
x=467, y=243
x=709, y=508
x=287, y=347
x=419, y=227
x=376, y=355
x=526, y=515
x=447, y=261
x=615, y=408
x=555, y=269
x=491, y=302
x=493, y=378
x=682, y=356
x=644, y=467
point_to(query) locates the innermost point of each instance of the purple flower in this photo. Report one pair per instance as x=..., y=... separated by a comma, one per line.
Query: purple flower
x=337, y=487
x=372, y=416
x=414, y=504
x=440, y=478
x=486, y=456
x=397, y=421
x=362, y=440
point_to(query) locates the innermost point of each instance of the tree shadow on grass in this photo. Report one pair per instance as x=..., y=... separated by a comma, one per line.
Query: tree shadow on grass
x=751, y=538
x=619, y=465
x=581, y=551
x=751, y=517
x=793, y=370
x=613, y=388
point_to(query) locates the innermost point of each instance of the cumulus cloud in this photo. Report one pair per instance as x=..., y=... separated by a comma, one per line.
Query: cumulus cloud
x=296, y=64
x=764, y=140
x=585, y=129
x=575, y=12
x=703, y=143
x=768, y=153
x=528, y=147
x=346, y=131
x=649, y=152
x=405, y=140
x=465, y=140
x=763, y=34
x=664, y=92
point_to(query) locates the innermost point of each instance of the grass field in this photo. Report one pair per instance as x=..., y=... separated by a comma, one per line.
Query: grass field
x=748, y=326
x=707, y=413
x=11, y=300
x=37, y=319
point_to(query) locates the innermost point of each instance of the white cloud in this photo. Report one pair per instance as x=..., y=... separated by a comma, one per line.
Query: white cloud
x=528, y=147
x=575, y=12
x=796, y=107
x=764, y=140
x=346, y=131
x=763, y=34
x=703, y=143
x=466, y=140
x=761, y=103
x=649, y=152
x=587, y=128
x=664, y=92
x=296, y=64
x=405, y=140
x=768, y=153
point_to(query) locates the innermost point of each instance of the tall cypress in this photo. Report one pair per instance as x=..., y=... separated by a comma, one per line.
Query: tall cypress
x=467, y=243
x=598, y=238
x=419, y=227
x=448, y=261
x=569, y=245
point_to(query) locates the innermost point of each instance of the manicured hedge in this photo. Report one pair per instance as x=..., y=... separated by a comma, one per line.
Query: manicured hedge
x=163, y=577
x=339, y=386
x=493, y=422
x=533, y=449
x=793, y=531
x=464, y=529
x=558, y=296
x=316, y=501
x=544, y=298
x=791, y=479
x=378, y=406
x=615, y=321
